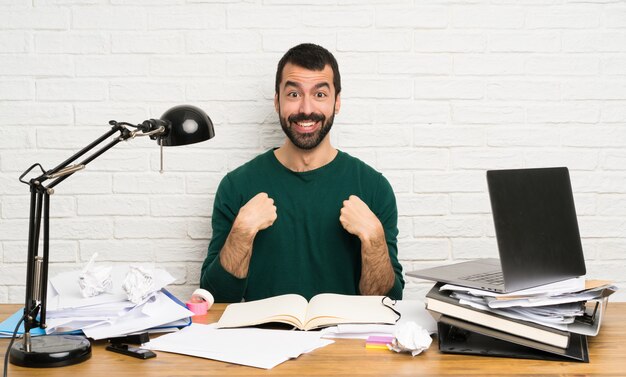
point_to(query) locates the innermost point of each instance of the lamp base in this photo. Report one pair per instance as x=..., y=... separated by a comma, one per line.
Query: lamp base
x=50, y=351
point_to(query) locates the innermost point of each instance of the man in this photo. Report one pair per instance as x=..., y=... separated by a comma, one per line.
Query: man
x=304, y=218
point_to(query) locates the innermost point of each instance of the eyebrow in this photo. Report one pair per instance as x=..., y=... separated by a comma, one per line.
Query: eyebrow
x=298, y=85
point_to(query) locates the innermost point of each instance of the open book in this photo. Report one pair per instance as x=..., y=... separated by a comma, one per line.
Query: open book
x=326, y=309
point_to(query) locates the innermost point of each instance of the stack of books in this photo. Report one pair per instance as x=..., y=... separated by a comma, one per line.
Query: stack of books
x=540, y=323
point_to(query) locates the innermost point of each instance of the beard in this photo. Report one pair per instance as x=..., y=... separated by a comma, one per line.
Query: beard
x=310, y=140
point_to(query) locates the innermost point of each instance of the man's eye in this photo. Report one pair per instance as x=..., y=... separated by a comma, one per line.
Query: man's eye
x=292, y=94
x=321, y=95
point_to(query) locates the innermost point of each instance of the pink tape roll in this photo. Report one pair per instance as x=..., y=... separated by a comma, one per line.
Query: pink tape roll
x=202, y=295
x=198, y=307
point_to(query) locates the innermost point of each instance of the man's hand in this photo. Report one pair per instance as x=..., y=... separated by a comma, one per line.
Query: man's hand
x=358, y=219
x=377, y=276
x=257, y=214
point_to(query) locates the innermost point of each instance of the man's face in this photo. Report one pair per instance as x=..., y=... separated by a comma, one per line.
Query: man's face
x=306, y=105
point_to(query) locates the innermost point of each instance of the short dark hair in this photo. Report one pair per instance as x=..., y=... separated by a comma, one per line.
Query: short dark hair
x=312, y=57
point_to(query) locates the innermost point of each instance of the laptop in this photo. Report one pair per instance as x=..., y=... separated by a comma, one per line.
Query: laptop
x=536, y=230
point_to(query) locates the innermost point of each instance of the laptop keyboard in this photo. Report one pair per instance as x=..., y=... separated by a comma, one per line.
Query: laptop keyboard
x=495, y=278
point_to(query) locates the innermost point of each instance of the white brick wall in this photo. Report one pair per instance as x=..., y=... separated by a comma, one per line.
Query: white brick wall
x=435, y=93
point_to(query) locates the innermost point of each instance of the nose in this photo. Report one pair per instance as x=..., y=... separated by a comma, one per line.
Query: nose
x=306, y=105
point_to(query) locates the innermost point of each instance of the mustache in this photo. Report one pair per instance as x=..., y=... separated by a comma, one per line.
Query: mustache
x=300, y=117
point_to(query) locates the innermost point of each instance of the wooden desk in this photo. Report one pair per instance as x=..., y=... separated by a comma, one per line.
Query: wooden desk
x=351, y=358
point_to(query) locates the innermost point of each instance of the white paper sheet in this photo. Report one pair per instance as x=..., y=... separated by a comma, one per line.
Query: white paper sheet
x=552, y=300
x=254, y=347
x=155, y=312
x=560, y=287
x=357, y=331
x=415, y=311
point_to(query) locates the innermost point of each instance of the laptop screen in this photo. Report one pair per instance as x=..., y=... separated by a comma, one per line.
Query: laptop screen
x=536, y=226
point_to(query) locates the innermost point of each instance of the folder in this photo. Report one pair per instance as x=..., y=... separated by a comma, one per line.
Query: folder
x=8, y=326
x=461, y=337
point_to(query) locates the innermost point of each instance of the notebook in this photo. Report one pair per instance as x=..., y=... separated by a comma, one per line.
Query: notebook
x=536, y=231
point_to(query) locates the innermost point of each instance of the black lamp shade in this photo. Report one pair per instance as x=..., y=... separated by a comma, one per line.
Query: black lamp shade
x=187, y=125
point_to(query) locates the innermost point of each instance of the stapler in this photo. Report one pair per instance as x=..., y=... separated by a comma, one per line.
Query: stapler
x=121, y=345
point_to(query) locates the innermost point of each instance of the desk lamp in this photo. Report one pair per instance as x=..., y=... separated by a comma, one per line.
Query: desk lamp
x=179, y=125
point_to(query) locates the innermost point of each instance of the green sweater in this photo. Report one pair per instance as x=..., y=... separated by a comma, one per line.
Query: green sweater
x=306, y=251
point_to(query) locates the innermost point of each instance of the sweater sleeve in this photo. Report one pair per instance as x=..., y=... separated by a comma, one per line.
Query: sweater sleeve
x=224, y=286
x=387, y=212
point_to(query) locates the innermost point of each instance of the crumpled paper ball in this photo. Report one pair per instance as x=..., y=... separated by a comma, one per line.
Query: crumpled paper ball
x=94, y=280
x=410, y=337
x=138, y=284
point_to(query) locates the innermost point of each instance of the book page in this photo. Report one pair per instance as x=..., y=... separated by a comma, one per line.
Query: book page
x=331, y=309
x=290, y=309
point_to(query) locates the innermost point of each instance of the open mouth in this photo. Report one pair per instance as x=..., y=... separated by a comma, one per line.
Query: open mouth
x=306, y=123
x=305, y=126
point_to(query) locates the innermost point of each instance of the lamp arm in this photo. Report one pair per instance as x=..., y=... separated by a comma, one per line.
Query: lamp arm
x=68, y=172
x=60, y=169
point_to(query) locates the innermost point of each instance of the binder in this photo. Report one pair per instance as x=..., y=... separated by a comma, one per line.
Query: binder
x=439, y=303
x=461, y=337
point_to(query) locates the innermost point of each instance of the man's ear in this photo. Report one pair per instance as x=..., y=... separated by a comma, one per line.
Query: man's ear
x=337, y=103
x=276, y=103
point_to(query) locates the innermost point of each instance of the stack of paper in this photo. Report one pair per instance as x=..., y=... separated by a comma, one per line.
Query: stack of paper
x=551, y=305
x=109, y=314
x=249, y=346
